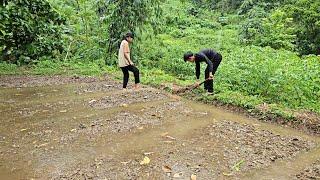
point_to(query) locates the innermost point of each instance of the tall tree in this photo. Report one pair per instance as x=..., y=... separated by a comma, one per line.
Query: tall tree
x=128, y=15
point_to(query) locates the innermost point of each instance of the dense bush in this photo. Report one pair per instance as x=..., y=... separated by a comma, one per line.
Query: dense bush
x=86, y=34
x=288, y=24
x=306, y=17
x=123, y=16
x=29, y=30
x=276, y=76
x=275, y=31
x=295, y=25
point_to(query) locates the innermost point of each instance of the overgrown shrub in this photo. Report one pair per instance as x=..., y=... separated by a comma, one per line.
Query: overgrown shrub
x=29, y=30
x=275, y=30
x=292, y=25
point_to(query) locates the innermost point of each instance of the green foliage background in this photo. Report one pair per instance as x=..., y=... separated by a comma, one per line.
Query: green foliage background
x=29, y=30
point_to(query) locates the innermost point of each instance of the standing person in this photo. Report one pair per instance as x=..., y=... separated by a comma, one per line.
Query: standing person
x=125, y=62
x=212, y=59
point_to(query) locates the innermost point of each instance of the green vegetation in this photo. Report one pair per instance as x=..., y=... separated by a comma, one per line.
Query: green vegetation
x=290, y=24
x=29, y=30
x=264, y=46
x=136, y=15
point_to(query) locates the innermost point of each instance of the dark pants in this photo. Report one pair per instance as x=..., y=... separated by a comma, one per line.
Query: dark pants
x=208, y=85
x=126, y=70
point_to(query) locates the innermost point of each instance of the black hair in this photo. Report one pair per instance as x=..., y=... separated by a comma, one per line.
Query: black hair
x=187, y=55
x=129, y=34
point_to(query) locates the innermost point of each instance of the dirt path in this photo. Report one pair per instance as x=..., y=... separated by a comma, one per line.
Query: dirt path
x=87, y=128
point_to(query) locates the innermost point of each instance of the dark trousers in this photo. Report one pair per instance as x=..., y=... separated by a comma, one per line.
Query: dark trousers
x=208, y=85
x=126, y=70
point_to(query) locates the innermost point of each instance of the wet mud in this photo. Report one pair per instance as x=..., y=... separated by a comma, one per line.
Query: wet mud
x=88, y=128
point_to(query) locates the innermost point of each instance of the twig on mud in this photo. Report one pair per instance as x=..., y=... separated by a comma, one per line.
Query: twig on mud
x=238, y=165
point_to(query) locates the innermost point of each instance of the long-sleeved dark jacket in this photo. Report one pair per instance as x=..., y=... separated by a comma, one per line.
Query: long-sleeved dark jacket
x=208, y=56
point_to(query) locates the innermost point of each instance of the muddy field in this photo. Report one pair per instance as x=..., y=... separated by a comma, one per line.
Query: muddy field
x=87, y=128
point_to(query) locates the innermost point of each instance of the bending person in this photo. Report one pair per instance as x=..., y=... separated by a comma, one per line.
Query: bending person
x=211, y=58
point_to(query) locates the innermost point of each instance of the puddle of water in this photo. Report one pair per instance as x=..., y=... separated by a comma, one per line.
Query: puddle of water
x=8, y=175
x=220, y=114
x=123, y=144
x=147, y=139
x=285, y=169
x=64, y=122
x=34, y=93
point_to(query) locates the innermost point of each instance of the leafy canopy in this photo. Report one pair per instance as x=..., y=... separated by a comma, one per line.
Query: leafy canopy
x=29, y=30
x=128, y=15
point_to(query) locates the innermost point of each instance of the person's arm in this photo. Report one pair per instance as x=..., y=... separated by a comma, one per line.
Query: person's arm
x=197, y=70
x=127, y=53
x=209, y=65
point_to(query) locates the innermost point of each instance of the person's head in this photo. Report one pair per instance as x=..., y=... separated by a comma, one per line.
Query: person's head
x=188, y=57
x=129, y=37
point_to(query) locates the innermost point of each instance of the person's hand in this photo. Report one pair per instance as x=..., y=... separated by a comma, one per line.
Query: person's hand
x=197, y=84
x=210, y=76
